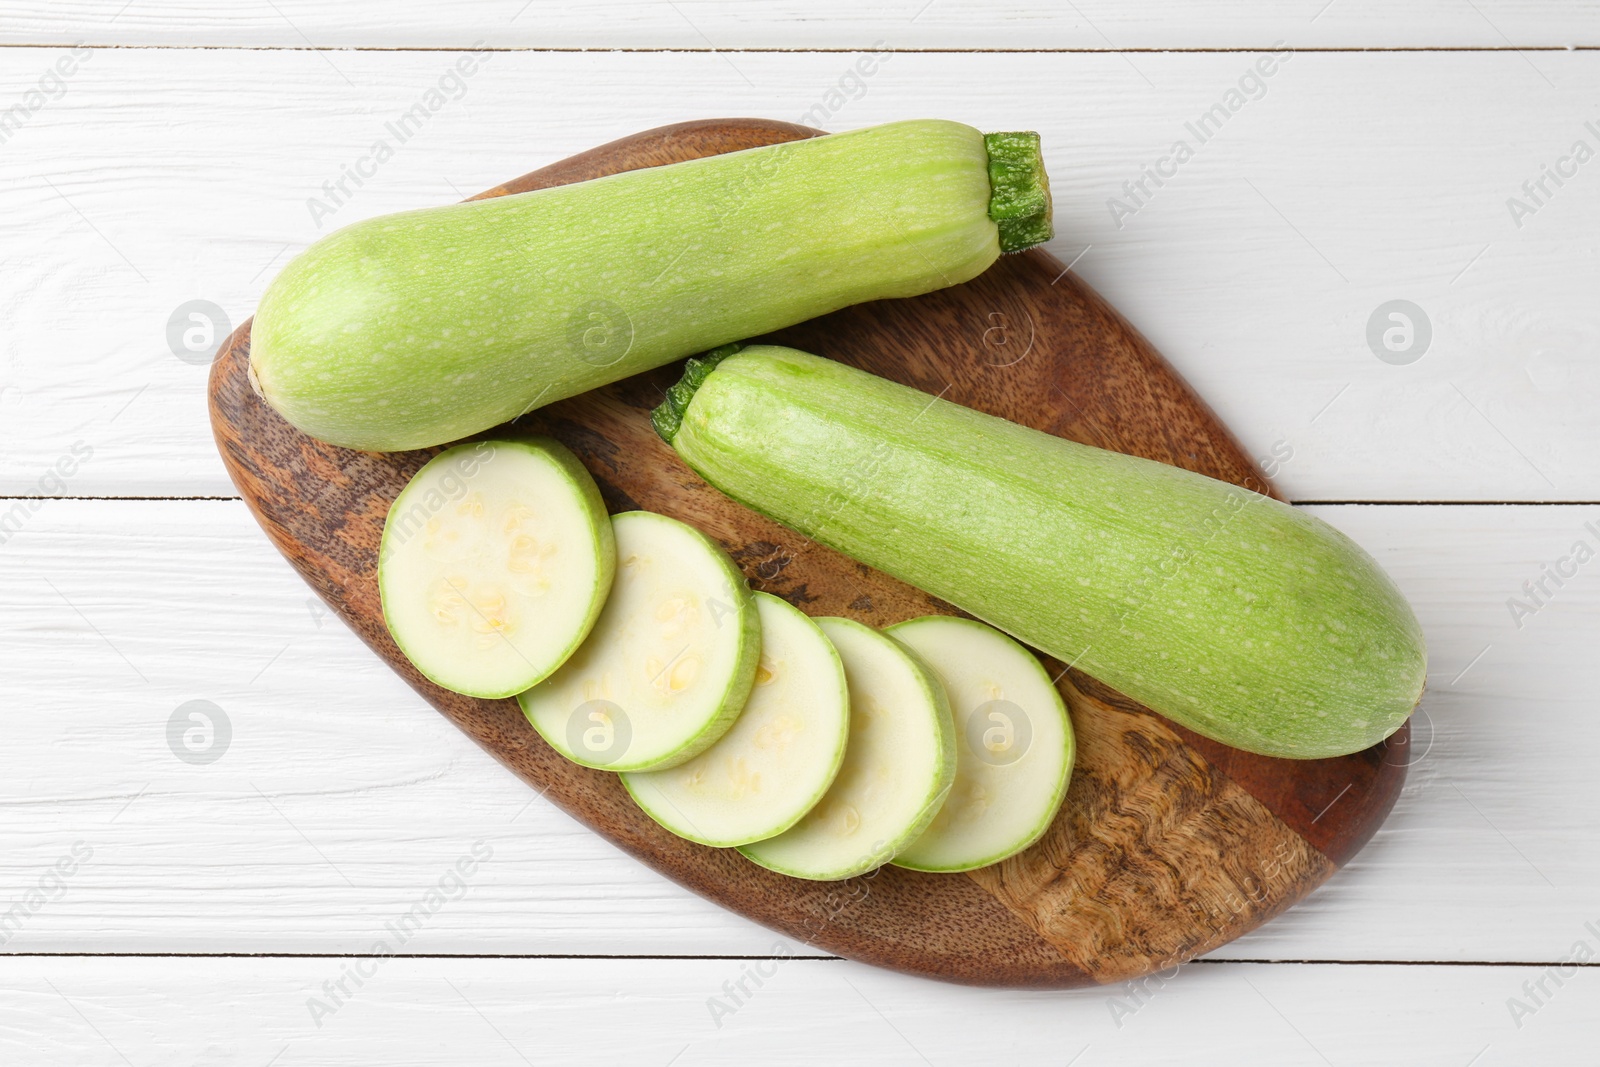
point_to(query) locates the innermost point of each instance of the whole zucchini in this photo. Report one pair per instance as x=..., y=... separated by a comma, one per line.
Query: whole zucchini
x=1236, y=615
x=423, y=327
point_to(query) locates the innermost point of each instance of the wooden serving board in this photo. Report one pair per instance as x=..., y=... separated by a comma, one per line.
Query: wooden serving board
x=1168, y=844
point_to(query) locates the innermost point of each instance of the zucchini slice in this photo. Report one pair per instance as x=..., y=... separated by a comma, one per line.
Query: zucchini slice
x=897, y=769
x=1014, y=745
x=780, y=756
x=495, y=562
x=670, y=661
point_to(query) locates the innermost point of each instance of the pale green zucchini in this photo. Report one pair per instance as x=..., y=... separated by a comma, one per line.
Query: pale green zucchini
x=423, y=327
x=1242, y=618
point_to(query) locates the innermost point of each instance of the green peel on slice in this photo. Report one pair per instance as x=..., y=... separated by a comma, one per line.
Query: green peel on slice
x=779, y=757
x=495, y=562
x=1014, y=745
x=669, y=663
x=898, y=765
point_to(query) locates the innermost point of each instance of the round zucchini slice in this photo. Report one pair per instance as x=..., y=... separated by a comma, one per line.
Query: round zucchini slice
x=779, y=757
x=1014, y=745
x=668, y=665
x=898, y=765
x=495, y=562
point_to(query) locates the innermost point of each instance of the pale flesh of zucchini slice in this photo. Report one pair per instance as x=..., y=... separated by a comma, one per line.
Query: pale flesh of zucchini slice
x=897, y=768
x=1014, y=745
x=780, y=756
x=496, y=560
x=670, y=661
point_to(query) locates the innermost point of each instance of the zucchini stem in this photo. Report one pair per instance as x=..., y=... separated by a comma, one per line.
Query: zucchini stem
x=668, y=416
x=1019, y=190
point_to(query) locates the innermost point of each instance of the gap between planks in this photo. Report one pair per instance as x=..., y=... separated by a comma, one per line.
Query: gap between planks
x=1590, y=965
x=1238, y=49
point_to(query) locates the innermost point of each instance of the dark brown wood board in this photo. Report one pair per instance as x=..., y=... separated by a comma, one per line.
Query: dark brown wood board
x=1168, y=844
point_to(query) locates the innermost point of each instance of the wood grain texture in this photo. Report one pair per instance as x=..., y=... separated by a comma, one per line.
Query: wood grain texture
x=700, y=24
x=1155, y=857
x=1153, y=805
x=494, y=1012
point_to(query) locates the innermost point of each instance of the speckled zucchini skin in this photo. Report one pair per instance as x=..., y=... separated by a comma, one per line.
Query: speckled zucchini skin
x=419, y=328
x=1240, y=617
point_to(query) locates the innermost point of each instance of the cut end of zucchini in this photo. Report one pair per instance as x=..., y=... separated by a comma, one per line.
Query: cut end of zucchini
x=496, y=559
x=1014, y=745
x=668, y=416
x=898, y=766
x=779, y=757
x=1019, y=200
x=669, y=663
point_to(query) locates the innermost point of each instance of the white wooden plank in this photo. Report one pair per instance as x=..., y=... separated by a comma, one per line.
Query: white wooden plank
x=342, y=797
x=340, y=790
x=163, y=176
x=1087, y=24
x=411, y=1011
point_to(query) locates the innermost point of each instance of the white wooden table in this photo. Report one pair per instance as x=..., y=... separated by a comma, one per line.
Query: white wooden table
x=158, y=152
